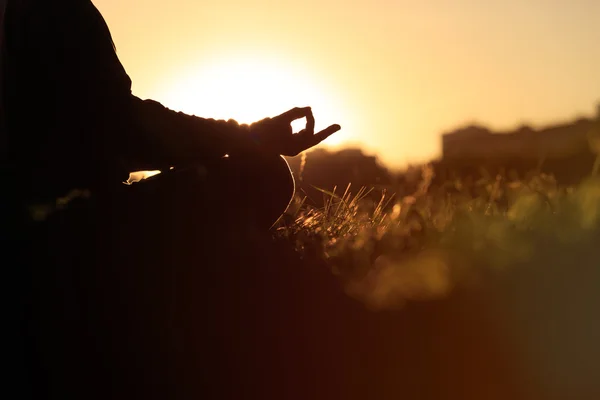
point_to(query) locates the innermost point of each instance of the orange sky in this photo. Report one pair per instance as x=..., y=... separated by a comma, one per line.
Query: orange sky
x=394, y=73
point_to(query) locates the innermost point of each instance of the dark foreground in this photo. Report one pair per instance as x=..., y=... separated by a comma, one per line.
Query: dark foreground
x=123, y=314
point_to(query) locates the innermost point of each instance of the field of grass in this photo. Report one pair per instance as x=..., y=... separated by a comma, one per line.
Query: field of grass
x=390, y=250
x=501, y=278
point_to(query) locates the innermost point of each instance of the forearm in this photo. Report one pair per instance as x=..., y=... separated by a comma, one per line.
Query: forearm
x=166, y=138
x=72, y=44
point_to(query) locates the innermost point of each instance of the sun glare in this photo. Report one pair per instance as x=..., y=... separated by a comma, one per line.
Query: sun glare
x=248, y=90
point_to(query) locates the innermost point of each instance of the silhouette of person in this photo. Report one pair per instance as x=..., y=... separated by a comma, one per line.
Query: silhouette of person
x=72, y=121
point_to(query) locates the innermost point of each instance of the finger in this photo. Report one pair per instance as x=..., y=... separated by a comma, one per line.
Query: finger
x=307, y=143
x=305, y=134
x=310, y=123
x=319, y=136
x=325, y=133
x=295, y=113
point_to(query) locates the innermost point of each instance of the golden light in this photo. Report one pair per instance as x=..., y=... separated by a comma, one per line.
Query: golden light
x=251, y=88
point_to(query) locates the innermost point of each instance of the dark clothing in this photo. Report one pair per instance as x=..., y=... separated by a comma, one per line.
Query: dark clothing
x=119, y=280
x=71, y=119
x=92, y=284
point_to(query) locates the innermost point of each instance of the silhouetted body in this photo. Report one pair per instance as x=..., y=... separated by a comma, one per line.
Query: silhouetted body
x=70, y=122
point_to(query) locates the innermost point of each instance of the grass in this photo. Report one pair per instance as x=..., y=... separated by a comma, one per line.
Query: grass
x=421, y=246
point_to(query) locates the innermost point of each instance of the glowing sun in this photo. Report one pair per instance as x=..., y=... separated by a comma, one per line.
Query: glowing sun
x=249, y=89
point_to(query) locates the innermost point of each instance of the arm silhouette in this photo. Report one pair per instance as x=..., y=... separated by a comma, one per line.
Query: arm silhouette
x=90, y=92
x=74, y=48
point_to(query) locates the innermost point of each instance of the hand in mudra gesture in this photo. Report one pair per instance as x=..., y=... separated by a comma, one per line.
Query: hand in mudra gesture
x=276, y=135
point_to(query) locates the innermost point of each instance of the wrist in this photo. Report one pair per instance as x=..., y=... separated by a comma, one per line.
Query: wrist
x=252, y=133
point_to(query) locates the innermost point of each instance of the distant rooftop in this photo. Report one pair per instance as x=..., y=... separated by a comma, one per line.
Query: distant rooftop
x=553, y=140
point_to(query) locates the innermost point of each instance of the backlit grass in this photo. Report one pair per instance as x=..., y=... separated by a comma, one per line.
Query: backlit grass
x=422, y=245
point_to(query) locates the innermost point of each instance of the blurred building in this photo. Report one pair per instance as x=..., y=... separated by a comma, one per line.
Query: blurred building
x=556, y=141
x=567, y=151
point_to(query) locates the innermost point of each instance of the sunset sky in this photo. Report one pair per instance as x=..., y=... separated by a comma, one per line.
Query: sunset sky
x=394, y=74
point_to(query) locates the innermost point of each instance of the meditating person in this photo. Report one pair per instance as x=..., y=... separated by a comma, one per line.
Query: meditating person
x=72, y=131
x=73, y=123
